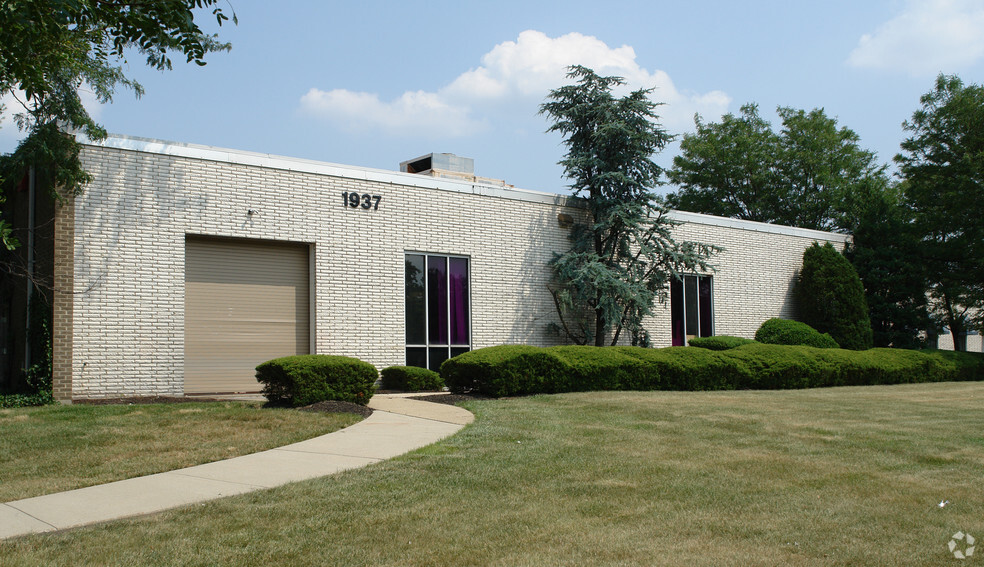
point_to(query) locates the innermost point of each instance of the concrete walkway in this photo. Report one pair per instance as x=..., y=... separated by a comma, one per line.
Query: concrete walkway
x=397, y=425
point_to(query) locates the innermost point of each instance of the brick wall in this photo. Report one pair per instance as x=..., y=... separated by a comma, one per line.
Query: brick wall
x=754, y=273
x=63, y=300
x=130, y=227
x=974, y=343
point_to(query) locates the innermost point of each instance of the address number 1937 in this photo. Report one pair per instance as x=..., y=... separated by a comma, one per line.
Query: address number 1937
x=364, y=200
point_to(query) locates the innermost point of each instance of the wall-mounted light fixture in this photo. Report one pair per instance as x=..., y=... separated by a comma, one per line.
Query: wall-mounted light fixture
x=251, y=212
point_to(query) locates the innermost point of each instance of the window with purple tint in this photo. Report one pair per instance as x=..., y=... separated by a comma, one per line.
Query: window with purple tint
x=458, y=304
x=691, y=308
x=704, y=310
x=679, y=337
x=416, y=302
x=438, y=309
x=437, y=300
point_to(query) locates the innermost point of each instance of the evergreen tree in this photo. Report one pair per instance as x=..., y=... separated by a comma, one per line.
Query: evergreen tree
x=622, y=254
x=830, y=297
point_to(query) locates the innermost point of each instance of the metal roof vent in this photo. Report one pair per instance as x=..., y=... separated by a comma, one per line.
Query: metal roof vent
x=448, y=166
x=444, y=163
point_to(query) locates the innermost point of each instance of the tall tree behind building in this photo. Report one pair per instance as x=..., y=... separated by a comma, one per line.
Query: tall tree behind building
x=810, y=174
x=942, y=167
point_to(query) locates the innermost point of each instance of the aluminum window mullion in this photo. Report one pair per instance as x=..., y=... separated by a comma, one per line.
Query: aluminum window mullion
x=697, y=291
x=427, y=360
x=447, y=301
x=711, y=301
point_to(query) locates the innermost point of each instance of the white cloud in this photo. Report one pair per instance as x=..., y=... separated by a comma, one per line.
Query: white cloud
x=523, y=70
x=535, y=63
x=418, y=113
x=928, y=37
x=11, y=135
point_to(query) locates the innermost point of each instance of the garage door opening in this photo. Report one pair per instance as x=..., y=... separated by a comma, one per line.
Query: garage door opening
x=246, y=302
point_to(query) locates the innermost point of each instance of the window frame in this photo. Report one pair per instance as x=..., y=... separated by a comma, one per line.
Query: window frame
x=428, y=347
x=678, y=307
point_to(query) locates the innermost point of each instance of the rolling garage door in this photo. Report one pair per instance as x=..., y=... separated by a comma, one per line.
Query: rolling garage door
x=245, y=303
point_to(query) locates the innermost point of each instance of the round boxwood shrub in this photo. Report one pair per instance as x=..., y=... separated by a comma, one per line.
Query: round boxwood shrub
x=830, y=298
x=306, y=379
x=411, y=379
x=786, y=332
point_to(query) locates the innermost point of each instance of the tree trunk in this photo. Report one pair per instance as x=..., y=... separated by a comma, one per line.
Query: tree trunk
x=599, y=328
x=960, y=342
x=958, y=327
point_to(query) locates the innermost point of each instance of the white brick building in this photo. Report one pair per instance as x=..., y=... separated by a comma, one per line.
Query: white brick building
x=168, y=268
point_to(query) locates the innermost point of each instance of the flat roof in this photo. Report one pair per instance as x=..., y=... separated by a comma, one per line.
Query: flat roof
x=242, y=157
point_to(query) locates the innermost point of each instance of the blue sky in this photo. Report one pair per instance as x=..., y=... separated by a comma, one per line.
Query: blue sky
x=373, y=83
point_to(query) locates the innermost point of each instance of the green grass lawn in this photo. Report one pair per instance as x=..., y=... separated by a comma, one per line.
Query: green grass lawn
x=842, y=476
x=55, y=448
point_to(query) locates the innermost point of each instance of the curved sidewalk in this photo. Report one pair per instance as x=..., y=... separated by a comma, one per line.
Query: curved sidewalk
x=397, y=425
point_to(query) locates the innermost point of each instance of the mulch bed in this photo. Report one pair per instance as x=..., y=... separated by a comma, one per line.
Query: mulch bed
x=332, y=406
x=450, y=399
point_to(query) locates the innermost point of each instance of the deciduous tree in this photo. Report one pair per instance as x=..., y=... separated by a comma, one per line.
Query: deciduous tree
x=810, y=174
x=622, y=254
x=49, y=49
x=886, y=253
x=942, y=165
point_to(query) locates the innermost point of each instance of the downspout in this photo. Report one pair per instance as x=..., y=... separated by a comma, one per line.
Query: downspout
x=30, y=265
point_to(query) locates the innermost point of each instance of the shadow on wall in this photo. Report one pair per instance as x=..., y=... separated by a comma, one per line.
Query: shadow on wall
x=136, y=206
x=790, y=308
x=536, y=310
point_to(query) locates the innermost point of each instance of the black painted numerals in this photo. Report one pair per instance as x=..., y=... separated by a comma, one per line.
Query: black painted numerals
x=365, y=200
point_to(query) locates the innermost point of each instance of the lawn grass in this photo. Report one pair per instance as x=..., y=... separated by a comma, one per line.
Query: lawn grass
x=55, y=448
x=841, y=476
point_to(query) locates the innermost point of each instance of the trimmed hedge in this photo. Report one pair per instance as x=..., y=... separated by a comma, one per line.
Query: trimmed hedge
x=411, y=379
x=306, y=379
x=506, y=370
x=719, y=342
x=787, y=332
x=519, y=370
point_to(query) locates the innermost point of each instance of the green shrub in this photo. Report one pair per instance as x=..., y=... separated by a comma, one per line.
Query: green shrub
x=519, y=370
x=684, y=368
x=830, y=297
x=596, y=368
x=787, y=332
x=781, y=367
x=963, y=365
x=506, y=370
x=411, y=379
x=26, y=400
x=306, y=379
x=718, y=342
x=33, y=388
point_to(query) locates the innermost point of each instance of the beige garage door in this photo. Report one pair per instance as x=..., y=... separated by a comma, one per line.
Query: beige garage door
x=245, y=302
